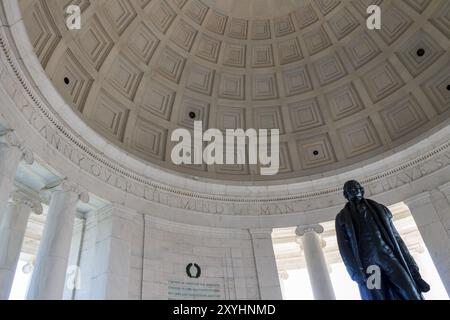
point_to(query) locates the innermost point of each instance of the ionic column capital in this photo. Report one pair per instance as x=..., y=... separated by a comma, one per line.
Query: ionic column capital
x=302, y=230
x=22, y=197
x=10, y=138
x=82, y=193
x=67, y=185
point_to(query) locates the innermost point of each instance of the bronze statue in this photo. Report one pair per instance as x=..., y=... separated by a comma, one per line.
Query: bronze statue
x=369, y=243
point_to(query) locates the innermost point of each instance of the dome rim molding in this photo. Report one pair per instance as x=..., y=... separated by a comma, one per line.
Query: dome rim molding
x=20, y=50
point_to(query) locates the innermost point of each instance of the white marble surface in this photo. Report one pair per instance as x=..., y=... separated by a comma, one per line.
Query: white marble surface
x=318, y=270
x=12, y=231
x=431, y=215
x=266, y=268
x=49, y=273
x=9, y=160
x=106, y=254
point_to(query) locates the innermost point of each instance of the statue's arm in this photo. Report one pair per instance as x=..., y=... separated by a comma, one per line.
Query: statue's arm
x=406, y=254
x=345, y=249
x=412, y=265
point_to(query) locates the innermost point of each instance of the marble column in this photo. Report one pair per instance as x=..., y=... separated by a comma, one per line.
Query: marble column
x=12, y=151
x=12, y=232
x=110, y=274
x=48, y=279
x=284, y=276
x=74, y=274
x=431, y=212
x=309, y=238
x=266, y=267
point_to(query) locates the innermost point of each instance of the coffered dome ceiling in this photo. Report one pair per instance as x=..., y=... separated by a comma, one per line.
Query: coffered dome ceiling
x=338, y=92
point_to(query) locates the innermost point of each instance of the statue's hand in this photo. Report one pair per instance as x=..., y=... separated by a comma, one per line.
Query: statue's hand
x=423, y=285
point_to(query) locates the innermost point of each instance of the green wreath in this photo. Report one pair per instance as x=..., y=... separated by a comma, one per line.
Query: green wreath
x=197, y=267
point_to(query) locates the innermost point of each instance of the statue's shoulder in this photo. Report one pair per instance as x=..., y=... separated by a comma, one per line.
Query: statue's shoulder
x=340, y=217
x=374, y=203
x=382, y=208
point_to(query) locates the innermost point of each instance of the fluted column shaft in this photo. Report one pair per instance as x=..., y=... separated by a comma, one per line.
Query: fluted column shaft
x=47, y=282
x=283, y=277
x=12, y=232
x=309, y=238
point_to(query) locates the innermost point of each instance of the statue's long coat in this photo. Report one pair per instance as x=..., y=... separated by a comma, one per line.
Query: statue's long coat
x=350, y=252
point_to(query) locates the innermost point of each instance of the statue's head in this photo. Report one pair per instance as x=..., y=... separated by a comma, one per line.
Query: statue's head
x=353, y=190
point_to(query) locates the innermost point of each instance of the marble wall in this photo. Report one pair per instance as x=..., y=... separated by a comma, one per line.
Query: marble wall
x=150, y=257
x=226, y=259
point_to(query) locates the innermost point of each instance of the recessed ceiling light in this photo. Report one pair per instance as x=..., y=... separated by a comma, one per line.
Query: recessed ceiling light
x=421, y=52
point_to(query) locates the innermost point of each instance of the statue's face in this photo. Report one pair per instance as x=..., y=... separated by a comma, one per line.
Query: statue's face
x=353, y=191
